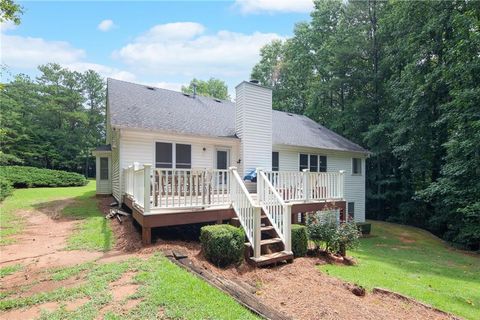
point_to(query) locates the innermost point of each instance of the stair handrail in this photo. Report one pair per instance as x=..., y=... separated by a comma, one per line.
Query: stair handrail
x=247, y=210
x=276, y=209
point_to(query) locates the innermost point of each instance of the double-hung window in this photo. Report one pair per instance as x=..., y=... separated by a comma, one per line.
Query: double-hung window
x=314, y=162
x=357, y=166
x=275, y=161
x=173, y=155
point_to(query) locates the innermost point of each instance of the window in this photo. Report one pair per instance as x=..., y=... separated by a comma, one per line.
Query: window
x=323, y=163
x=351, y=209
x=183, y=156
x=313, y=162
x=104, y=168
x=275, y=162
x=163, y=155
x=356, y=166
x=173, y=155
x=303, y=161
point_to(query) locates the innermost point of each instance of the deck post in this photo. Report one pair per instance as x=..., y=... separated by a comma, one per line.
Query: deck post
x=341, y=184
x=146, y=235
x=257, y=235
x=306, y=184
x=287, y=226
x=146, y=191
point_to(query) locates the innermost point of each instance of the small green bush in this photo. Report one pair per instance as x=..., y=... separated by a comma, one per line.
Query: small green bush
x=223, y=244
x=364, y=227
x=335, y=237
x=30, y=177
x=299, y=240
x=5, y=188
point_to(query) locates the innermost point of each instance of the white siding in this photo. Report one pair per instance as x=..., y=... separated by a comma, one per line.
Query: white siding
x=336, y=161
x=116, y=191
x=254, y=125
x=139, y=146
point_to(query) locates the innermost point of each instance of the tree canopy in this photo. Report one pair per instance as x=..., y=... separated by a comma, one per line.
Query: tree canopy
x=10, y=11
x=53, y=121
x=213, y=87
x=403, y=80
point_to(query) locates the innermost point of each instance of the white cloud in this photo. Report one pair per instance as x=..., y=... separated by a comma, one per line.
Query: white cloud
x=106, y=25
x=255, y=6
x=8, y=25
x=168, y=85
x=28, y=52
x=104, y=70
x=184, y=49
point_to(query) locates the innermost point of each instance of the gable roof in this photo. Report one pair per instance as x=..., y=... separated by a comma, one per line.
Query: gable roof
x=138, y=106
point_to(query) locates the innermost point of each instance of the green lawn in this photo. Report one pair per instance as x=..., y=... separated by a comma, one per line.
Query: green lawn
x=94, y=232
x=413, y=262
x=164, y=291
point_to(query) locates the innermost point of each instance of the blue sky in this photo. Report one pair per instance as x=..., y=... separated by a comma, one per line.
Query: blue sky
x=161, y=43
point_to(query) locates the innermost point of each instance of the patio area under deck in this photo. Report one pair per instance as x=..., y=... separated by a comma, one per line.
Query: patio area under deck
x=189, y=196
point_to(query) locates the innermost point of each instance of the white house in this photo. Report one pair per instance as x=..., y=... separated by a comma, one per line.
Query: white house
x=175, y=158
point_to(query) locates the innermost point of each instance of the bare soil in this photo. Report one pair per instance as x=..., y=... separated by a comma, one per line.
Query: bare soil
x=297, y=289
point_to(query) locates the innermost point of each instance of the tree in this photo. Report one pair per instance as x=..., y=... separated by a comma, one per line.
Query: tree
x=10, y=11
x=401, y=79
x=214, y=88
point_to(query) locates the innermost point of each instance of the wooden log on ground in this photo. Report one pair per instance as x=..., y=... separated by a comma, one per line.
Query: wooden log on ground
x=237, y=292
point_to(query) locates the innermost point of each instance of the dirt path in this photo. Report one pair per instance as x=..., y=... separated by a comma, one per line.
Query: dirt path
x=41, y=244
x=296, y=289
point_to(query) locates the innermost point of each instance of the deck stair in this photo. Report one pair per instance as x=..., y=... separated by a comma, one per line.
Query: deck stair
x=264, y=245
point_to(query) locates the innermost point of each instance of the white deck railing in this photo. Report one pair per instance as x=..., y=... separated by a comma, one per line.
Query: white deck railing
x=279, y=213
x=304, y=186
x=247, y=211
x=186, y=188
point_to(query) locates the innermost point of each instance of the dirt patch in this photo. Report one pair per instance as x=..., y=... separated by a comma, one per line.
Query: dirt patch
x=29, y=313
x=405, y=238
x=123, y=287
x=75, y=304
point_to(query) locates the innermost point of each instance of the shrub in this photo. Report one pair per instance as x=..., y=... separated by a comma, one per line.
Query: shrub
x=324, y=229
x=223, y=244
x=5, y=188
x=30, y=177
x=364, y=227
x=299, y=240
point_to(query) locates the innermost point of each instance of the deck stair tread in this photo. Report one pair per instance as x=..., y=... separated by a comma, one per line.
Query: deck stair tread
x=265, y=242
x=267, y=228
x=272, y=258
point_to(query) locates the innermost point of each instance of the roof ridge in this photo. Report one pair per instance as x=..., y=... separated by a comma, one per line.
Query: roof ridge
x=170, y=90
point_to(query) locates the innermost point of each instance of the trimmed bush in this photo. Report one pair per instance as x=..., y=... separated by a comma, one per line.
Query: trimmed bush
x=223, y=244
x=364, y=227
x=30, y=177
x=5, y=188
x=299, y=240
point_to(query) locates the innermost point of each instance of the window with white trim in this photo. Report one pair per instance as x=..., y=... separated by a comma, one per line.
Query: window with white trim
x=275, y=161
x=314, y=162
x=173, y=155
x=356, y=166
x=103, y=168
x=351, y=209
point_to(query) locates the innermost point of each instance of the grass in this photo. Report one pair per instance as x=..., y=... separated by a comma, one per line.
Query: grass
x=162, y=286
x=93, y=233
x=8, y=270
x=413, y=262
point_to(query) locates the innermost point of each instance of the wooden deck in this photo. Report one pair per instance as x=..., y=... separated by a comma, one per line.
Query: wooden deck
x=164, y=217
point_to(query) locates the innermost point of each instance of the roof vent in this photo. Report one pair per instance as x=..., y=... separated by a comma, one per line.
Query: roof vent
x=217, y=100
x=150, y=88
x=255, y=81
x=291, y=115
x=186, y=94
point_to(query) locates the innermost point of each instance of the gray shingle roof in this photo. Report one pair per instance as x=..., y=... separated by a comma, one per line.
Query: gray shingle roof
x=143, y=107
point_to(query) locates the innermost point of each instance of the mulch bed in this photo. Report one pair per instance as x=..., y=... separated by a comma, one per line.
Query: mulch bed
x=297, y=290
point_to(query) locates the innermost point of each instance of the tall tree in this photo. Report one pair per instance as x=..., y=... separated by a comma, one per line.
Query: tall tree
x=10, y=11
x=214, y=88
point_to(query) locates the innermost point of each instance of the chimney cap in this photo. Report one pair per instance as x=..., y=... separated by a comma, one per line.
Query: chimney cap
x=254, y=81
